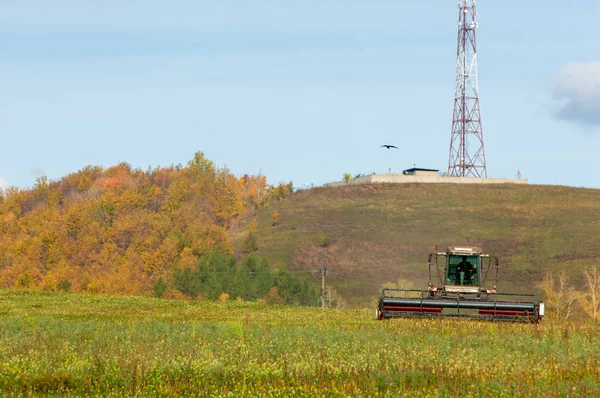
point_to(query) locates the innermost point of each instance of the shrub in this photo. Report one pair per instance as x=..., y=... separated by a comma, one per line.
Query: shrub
x=174, y=294
x=224, y=297
x=273, y=297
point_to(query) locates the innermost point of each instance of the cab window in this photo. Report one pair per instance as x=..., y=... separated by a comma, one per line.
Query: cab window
x=463, y=270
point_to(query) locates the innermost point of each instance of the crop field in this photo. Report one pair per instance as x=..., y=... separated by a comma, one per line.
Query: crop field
x=60, y=344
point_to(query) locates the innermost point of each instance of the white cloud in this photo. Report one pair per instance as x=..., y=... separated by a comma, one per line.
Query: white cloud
x=3, y=183
x=577, y=85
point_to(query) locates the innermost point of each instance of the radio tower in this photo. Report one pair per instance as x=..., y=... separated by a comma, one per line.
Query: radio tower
x=467, y=156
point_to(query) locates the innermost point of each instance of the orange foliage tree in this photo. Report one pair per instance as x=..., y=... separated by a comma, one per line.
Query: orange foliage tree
x=119, y=230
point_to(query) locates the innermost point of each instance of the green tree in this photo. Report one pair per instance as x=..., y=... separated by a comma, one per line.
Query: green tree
x=294, y=291
x=159, y=287
x=254, y=278
x=187, y=281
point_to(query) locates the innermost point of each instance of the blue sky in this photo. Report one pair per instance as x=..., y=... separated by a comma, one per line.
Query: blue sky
x=299, y=91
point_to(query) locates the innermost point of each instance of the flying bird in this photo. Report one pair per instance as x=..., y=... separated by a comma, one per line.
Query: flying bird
x=389, y=146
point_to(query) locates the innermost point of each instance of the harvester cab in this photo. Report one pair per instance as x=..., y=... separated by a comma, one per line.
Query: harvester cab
x=459, y=287
x=461, y=270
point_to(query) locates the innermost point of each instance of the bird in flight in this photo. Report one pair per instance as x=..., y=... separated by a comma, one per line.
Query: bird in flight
x=389, y=146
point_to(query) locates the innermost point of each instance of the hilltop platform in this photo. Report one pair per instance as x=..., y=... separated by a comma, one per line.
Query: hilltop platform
x=423, y=179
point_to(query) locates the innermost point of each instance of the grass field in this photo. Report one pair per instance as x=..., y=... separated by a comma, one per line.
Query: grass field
x=60, y=344
x=383, y=232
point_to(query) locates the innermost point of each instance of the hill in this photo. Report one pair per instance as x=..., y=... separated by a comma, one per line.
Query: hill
x=367, y=235
x=128, y=231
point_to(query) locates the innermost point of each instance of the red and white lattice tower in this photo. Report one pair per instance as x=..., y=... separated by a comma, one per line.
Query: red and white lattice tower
x=467, y=155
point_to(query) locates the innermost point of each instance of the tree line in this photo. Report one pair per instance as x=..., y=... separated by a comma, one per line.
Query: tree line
x=121, y=230
x=250, y=279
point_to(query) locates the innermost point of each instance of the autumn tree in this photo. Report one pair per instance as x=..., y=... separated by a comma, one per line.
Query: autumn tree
x=121, y=230
x=254, y=190
x=281, y=191
x=590, y=300
x=561, y=297
x=226, y=198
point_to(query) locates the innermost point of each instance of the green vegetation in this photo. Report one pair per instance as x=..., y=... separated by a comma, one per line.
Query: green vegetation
x=65, y=344
x=325, y=241
x=383, y=232
x=219, y=273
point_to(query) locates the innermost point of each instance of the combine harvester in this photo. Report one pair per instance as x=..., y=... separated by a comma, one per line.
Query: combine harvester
x=462, y=273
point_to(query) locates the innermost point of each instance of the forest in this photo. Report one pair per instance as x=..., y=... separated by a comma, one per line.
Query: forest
x=125, y=231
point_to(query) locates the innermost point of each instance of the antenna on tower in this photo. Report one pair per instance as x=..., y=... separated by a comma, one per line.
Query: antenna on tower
x=466, y=160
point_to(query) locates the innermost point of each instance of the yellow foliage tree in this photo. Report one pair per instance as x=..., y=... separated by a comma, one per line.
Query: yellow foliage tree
x=561, y=297
x=117, y=230
x=590, y=300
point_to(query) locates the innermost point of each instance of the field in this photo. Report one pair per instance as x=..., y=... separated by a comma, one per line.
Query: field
x=61, y=344
x=367, y=235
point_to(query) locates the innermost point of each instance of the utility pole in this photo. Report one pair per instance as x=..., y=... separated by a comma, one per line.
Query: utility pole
x=324, y=273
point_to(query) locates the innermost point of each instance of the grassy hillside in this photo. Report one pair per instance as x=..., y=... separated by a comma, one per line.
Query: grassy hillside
x=381, y=233
x=65, y=344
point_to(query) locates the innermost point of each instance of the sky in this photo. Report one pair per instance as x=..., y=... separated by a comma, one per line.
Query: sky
x=300, y=91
